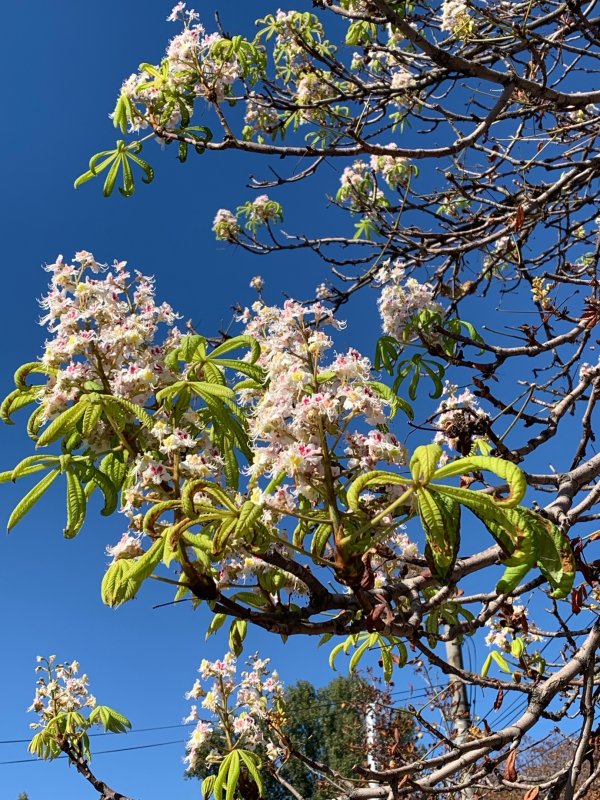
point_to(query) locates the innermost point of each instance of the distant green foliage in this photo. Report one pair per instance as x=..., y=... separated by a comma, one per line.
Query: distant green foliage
x=328, y=726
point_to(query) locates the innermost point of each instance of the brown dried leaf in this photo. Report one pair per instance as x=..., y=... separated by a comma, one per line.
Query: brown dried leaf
x=499, y=700
x=510, y=770
x=532, y=794
x=519, y=218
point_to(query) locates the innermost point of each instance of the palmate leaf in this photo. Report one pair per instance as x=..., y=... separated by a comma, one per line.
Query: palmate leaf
x=227, y=776
x=118, y=159
x=111, y=720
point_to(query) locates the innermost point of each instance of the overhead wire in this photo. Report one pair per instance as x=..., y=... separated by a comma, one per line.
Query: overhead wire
x=410, y=694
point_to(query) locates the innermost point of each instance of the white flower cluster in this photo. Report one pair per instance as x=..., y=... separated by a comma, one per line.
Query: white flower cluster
x=226, y=226
x=260, y=116
x=242, y=708
x=358, y=188
x=106, y=338
x=457, y=19
x=401, y=301
x=395, y=170
x=59, y=690
x=104, y=330
x=194, y=66
x=260, y=211
x=306, y=401
x=505, y=628
x=313, y=88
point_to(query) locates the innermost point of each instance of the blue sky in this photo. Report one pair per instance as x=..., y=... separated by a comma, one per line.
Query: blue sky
x=63, y=63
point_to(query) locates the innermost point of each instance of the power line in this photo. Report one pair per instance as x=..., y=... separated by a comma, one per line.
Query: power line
x=97, y=753
x=422, y=692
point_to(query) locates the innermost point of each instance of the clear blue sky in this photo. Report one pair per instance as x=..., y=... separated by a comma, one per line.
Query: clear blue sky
x=63, y=64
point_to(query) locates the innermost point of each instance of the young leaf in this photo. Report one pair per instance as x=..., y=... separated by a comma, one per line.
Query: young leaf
x=424, y=462
x=32, y=497
x=76, y=505
x=253, y=763
x=441, y=520
x=503, y=469
x=62, y=425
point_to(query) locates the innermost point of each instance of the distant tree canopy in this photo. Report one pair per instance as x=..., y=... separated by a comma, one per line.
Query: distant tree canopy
x=328, y=726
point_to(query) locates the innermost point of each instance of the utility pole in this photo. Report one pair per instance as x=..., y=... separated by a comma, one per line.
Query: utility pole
x=460, y=709
x=370, y=730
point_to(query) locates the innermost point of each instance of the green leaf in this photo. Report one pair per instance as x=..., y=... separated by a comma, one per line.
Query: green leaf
x=517, y=648
x=7, y=476
x=320, y=538
x=424, y=461
x=253, y=763
x=128, y=183
x=208, y=786
x=23, y=467
x=114, y=466
x=501, y=661
x=91, y=418
x=32, y=497
x=62, y=425
x=144, y=166
x=358, y=654
x=555, y=557
x=111, y=178
x=216, y=622
x=250, y=515
x=370, y=479
x=25, y=370
x=335, y=652
x=124, y=577
x=237, y=634
x=133, y=408
x=235, y=343
x=233, y=774
x=496, y=519
x=391, y=398
x=441, y=520
x=506, y=470
x=204, y=388
x=97, y=168
x=110, y=719
x=76, y=505
x=16, y=400
x=387, y=663
x=107, y=487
